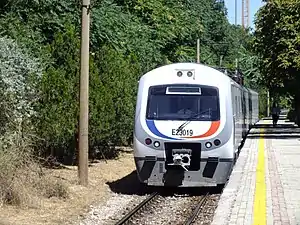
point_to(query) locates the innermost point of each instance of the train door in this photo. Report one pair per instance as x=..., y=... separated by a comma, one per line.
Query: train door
x=243, y=113
x=234, y=100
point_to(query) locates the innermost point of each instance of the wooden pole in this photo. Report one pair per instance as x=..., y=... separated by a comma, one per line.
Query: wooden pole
x=84, y=95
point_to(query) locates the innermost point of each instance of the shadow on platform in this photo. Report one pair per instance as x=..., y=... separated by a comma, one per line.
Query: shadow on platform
x=130, y=185
x=280, y=131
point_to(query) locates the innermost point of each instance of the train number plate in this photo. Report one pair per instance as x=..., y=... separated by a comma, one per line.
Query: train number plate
x=183, y=132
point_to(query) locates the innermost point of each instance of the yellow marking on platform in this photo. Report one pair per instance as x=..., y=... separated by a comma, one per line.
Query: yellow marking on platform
x=260, y=201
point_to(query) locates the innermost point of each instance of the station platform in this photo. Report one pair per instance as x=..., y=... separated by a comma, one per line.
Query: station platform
x=264, y=187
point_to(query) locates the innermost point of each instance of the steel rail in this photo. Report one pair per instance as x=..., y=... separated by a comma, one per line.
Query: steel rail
x=132, y=212
x=202, y=202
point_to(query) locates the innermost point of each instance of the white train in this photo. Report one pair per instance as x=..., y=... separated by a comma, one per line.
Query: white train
x=190, y=120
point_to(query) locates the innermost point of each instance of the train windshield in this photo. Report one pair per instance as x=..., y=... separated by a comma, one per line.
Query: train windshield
x=189, y=102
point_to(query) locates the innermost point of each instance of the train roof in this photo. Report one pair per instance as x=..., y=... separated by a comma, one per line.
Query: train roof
x=236, y=76
x=215, y=74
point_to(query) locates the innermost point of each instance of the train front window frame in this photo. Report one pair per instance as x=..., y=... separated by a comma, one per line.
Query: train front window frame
x=202, y=106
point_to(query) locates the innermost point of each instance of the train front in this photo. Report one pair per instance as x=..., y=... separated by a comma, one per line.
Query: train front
x=179, y=139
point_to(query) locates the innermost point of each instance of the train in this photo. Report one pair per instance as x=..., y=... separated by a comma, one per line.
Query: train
x=190, y=122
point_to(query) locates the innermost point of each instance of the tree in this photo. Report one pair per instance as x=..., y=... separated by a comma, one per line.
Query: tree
x=128, y=38
x=276, y=41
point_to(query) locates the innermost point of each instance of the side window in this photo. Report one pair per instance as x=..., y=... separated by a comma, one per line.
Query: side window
x=240, y=108
x=233, y=99
x=235, y=105
x=239, y=104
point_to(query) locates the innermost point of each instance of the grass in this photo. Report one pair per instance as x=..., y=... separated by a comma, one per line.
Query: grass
x=105, y=178
x=22, y=180
x=32, y=194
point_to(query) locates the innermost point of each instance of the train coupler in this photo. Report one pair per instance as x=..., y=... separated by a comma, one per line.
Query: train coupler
x=181, y=157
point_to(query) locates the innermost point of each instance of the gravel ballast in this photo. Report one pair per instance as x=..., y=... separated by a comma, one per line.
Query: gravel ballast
x=163, y=210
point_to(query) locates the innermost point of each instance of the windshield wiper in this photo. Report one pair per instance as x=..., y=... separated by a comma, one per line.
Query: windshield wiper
x=189, y=120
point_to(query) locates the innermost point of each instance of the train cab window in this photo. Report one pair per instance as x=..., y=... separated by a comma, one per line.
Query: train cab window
x=201, y=106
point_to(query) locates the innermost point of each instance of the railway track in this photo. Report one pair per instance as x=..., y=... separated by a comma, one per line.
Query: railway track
x=137, y=209
x=143, y=205
x=196, y=211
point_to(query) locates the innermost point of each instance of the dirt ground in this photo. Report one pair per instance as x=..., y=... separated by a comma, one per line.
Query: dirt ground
x=105, y=178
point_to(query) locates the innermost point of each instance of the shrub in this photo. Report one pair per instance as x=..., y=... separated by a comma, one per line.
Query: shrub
x=22, y=180
x=19, y=75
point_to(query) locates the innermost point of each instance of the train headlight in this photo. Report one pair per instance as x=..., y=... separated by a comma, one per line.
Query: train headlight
x=208, y=144
x=156, y=144
x=148, y=141
x=179, y=73
x=189, y=74
x=217, y=142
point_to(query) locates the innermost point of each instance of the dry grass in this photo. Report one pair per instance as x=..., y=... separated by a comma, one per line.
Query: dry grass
x=22, y=180
x=58, y=206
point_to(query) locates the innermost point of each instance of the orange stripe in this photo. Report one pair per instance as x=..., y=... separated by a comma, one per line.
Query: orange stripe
x=213, y=129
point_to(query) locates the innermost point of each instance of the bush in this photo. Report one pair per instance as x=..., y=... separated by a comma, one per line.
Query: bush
x=262, y=103
x=22, y=180
x=119, y=75
x=19, y=75
x=112, y=93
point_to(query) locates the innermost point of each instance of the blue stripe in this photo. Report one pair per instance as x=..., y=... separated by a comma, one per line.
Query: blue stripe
x=153, y=129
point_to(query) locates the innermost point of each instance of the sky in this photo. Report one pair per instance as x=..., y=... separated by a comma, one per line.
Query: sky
x=254, y=6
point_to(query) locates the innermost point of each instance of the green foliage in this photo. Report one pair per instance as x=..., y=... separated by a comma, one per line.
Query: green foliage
x=19, y=75
x=263, y=102
x=276, y=41
x=278, y=28
x=128, y=38
x=57, y=106
x=112, y=96
x=124, y=32
x=119, y=75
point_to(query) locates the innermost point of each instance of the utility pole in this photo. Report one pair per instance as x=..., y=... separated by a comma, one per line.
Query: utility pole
x=198, y=50
x=248, y=13
x=235, y=17
x=245, y=13
x=243, y=10
x=84, y=95
x=235, y=12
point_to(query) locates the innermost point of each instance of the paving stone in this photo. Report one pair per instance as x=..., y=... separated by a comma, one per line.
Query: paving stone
x=282, y=178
